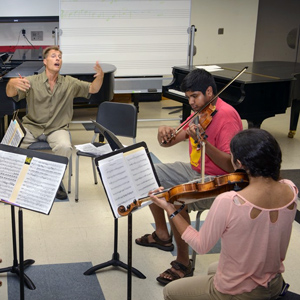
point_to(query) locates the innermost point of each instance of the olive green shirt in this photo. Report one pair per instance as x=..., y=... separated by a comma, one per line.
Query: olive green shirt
x=49, y=111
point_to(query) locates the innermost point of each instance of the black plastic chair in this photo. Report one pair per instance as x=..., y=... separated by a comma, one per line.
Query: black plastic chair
x=119, y=118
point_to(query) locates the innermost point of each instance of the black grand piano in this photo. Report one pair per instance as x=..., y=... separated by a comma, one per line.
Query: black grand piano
x=82, y=71
x=266, y=88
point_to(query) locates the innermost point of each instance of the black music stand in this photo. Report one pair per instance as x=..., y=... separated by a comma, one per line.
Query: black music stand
x=115, y=144
x=18, y=267
x=115, y=261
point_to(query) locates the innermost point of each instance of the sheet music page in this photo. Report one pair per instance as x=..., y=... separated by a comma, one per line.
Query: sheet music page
x=17, y=137
x=40, y=185
x=210, y=68
x=13, y=134
x=11, y=165
x=127, y=177
x=141, y=171
x=117, y=181
x=90, y=148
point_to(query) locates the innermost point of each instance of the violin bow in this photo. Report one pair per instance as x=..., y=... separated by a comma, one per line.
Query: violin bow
x=207, y=104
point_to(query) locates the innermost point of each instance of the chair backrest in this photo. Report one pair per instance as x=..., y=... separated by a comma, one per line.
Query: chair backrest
x=119, y=118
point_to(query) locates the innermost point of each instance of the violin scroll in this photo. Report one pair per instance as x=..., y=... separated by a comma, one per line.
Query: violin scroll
x=121, y=209
x=124, y=211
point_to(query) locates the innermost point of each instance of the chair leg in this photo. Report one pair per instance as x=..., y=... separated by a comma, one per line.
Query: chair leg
x=70, y=174
x=197, y=227
x=76, y=178
x=94, y=171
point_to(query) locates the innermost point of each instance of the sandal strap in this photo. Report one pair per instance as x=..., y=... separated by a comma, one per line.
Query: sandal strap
x=180, y=267
x=144, y=239
x=159, y=241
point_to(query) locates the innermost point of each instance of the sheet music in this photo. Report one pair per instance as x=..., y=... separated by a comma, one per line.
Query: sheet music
x=40, y=185
x=127, y=177
x=27, y=182
x=13, y=134
x=141, y=170
x=90, y=148
x=11, y=165
x=210, y=68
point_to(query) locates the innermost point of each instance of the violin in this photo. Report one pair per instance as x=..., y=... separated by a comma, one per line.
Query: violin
x=205, y=117
x=195, y=190
x=205, y=112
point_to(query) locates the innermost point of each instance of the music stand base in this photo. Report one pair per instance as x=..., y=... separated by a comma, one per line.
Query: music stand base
x=16, y=270
x=115, y=262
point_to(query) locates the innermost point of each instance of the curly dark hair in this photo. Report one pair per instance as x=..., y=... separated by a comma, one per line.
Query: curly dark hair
x=258, y=152
x=198, y=80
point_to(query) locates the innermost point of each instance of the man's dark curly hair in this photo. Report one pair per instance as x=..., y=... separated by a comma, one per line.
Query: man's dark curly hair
x=198, y=80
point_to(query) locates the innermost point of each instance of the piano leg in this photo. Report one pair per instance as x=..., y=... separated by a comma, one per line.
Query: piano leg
x=295, y=110
x=135, y=98
x=255, y=123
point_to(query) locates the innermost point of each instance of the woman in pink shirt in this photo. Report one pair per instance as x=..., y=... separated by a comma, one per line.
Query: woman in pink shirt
x=254, y=225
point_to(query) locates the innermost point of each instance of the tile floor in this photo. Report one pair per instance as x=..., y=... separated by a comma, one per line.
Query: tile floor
x=83, y=231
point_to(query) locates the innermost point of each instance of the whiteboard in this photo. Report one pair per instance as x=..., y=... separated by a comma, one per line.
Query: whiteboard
x=141, y=38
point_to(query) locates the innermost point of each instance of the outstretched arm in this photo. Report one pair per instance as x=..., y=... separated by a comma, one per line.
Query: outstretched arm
x=15, y=84
x=97, y=82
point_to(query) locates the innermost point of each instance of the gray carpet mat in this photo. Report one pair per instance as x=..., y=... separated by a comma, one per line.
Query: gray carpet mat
x=57, y=282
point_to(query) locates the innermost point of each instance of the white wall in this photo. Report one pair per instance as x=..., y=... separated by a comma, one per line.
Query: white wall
x=29, y=8
x=11, y=34
x=237, y=17
x=273, y=31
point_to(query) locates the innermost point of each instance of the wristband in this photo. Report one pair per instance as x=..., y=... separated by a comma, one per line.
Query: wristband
x=177, y=211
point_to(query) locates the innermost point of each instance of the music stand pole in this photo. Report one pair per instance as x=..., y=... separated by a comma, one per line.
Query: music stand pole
x=21, y=254
x=15, y=268
x=129, y=259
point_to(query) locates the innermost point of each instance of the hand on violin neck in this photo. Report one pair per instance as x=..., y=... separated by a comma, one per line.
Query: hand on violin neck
x=158, y=190
x=165, y=134
x=161, y=202
x=197, y=133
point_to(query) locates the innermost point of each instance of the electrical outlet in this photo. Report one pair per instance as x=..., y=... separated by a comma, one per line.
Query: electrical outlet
x=36, y=35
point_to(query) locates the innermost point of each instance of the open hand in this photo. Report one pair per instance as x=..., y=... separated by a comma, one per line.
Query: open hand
x=98, y=69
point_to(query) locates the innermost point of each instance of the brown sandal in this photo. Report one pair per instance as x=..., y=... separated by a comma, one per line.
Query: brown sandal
x=157, y=244
x=187, y=271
